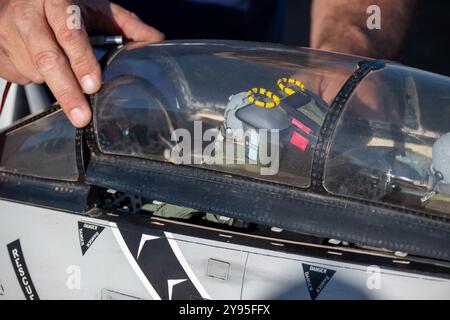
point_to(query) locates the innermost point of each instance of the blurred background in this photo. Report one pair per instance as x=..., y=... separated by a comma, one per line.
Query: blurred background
x=427, y=46
x=288, y=22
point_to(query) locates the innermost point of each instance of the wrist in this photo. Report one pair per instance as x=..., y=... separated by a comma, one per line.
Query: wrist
x=349, y=40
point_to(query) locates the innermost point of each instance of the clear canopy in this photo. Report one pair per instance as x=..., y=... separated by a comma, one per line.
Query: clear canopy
x=392, y=144
x=44, y=148
x=240, y=108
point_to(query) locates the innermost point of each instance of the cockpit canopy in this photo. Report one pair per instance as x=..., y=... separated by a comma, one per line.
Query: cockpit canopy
x=232, y=107
x=258, y=112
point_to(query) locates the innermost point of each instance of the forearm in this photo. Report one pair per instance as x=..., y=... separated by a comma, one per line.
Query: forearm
x=341, y=25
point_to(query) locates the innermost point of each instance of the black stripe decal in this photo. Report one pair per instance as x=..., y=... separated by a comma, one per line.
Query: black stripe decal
x=160, y=265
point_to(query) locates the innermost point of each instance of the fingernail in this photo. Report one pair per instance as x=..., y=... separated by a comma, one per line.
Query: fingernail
x=79, y=117
x=89, y=84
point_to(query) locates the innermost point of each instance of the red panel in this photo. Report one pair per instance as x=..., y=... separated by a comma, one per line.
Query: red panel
x=299, y=141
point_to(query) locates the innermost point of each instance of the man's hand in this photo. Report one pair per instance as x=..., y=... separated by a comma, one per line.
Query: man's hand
x=341, y=25
x=37, y=45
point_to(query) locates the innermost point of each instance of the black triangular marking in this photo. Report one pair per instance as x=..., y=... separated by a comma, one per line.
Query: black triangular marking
x=88, y=233
x=316, y=279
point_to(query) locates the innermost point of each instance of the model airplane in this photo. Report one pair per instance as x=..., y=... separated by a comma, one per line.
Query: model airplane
x=233, y=170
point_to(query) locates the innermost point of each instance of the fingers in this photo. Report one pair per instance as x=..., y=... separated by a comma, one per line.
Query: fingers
x=18, y=60
x=132, y=27
x=128, y=24
x=75, y=43
x=43, y=47
x=51, y=63
x=10, y=73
